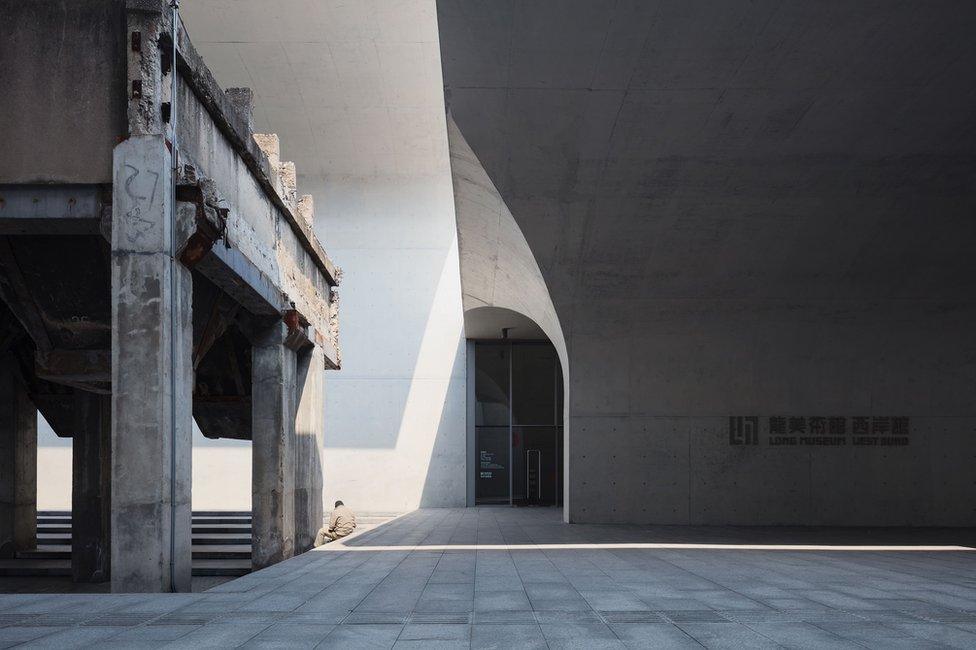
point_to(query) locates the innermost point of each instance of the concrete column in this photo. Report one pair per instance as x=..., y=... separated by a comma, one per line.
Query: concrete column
x=309, y=433
x=18, y=464
x=152, y=378
x=273, y=368
x=91, y=487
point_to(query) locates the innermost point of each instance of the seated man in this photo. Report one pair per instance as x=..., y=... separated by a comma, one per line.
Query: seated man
x=341, y=523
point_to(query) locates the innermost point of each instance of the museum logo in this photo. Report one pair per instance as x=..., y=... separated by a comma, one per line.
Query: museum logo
x=820, y=431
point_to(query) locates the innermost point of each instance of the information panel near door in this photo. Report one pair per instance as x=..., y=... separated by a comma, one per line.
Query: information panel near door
x=492, y=481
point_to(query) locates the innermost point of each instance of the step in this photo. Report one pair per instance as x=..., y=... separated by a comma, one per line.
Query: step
x=196, y=513
x=219, y=539
x=221, y=567
x=222, y=552
x=208, y=526
x=208, y=539
x=46, y=552
x=205, y=552
x=52, y=529
x=54, y=520
x=242, y=529
x=48, y=522
x=35, y=568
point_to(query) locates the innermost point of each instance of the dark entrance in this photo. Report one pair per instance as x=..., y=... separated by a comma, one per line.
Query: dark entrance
x=518, y=423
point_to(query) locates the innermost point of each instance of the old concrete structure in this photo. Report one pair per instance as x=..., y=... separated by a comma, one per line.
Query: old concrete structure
x=157, y=267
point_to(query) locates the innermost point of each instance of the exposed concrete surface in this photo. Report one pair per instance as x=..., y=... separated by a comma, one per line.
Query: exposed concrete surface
x=742, y=209
x=119, y=319
x=152, y=360
x=58, y=100
x=309, y=434
x=368, y=137
x=497, y=266
x=490, y=577
x=273, y=371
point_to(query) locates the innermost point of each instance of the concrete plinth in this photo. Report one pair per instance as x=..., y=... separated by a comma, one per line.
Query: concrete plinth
x=91, y=487
x=152, y=378
x=273, y=447
x=309, y=432
x=18, y=464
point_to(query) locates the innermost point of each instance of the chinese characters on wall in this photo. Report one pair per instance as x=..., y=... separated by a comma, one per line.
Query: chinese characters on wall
x=820, y=431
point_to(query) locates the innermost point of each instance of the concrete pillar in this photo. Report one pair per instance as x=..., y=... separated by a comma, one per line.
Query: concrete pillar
x=309, y=432
x=152, y=378
x=18, y=464
x=273, y=368
x=91, y=487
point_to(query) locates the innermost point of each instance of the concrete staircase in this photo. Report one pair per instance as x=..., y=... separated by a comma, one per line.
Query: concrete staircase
x=221, y=546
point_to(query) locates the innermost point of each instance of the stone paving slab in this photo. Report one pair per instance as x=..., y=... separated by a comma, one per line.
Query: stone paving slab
x=502, y=578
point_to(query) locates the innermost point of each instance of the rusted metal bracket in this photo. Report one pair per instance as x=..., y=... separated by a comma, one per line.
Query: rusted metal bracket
x=210, y=218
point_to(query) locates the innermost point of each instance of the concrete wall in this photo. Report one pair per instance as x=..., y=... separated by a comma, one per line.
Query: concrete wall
x=497, y=265
x=355, y=93
x=221, y=472
x=742, y=210
x=655, y=384
x=59, y=87
x=395, y=413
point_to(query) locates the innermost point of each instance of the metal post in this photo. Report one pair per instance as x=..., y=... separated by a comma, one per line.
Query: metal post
x=173, y=104
x=511, y=456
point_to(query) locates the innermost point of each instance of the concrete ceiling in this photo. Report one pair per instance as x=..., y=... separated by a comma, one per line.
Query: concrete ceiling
x=727, y=149
x=350, y=87
x=490, y=323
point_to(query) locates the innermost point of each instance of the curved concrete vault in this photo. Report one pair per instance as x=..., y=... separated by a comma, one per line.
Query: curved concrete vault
x=498, y=268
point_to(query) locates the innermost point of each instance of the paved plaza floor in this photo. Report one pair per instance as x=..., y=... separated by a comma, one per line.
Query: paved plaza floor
x=506, y=578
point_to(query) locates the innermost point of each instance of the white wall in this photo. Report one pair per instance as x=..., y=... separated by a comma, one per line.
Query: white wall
x=354, y=92
x=221, y=471
x=53, y=469
x=395, y=413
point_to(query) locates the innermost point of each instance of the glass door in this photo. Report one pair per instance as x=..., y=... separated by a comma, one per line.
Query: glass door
x=493, y=424
x=518, y=426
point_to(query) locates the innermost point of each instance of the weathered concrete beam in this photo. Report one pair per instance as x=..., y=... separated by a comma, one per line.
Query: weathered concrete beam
x=52, y=209
x=229, y=269
x=76, y=368
x=18, y=463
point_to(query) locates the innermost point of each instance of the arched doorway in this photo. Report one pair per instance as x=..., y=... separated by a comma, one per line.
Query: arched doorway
x=516, y=414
